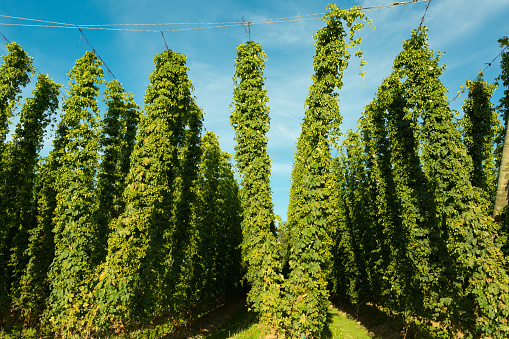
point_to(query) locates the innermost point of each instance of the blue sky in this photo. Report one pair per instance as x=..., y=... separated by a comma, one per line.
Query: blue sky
x=465, y=30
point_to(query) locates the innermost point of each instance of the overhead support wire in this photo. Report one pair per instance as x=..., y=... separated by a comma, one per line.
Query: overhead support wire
x=205, y=25
x=165, y=44
x=38, y=20
x=95, y=52
x=425, y=11
x=6, y=40
x=482, y=71
x=119, y=29
x=248, y=28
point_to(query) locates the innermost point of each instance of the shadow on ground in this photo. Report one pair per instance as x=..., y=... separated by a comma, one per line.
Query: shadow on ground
x=377, y=323
x=382, y=326
x=211, y=322
x=238, y=323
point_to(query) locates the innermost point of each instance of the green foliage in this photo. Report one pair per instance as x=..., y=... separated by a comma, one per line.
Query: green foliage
x=74, y=228
x=133, y=285
x=416, y=240
x=250, y=118
x=35, y=283
x=117, y=140
x=34, y=286
x=36, y=114
x=382, y=245
x=480, y=127
x=306, y=292
x=396, y=182
x=14, y=74
x=434, y=257
x=472, y=261
x=159, y=229
x=217, y=217
x=358, y=243
x=182, y=246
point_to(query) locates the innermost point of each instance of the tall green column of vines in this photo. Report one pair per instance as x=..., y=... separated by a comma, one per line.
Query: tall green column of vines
x=35, y=286
x=250, y=118
x=133, y=284
x=15, y=74
x=217, y=217
x=306, y=291
x=184, y=239
x=472, y=295
x=359, y=247
x=36, y=114
x=409, y=235
x=419, y=235
x=117, y=140
x=394, y=269
x=480, y=127
x=74, y=222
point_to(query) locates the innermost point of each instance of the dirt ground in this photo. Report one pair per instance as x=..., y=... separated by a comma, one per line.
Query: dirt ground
x=209, y=322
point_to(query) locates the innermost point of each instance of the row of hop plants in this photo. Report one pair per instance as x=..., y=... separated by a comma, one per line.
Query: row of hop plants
x=400, y=219
x=152, y=228
x=415, y=191
x=133, y=219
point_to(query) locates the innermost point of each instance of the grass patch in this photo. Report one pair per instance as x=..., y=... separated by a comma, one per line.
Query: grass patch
x=339, y=325
x=244, y=325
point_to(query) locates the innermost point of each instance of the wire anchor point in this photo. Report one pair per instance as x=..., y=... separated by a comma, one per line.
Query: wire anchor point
x=248, y=28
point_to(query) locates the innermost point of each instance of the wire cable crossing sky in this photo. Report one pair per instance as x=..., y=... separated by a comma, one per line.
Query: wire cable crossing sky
x=315, y=16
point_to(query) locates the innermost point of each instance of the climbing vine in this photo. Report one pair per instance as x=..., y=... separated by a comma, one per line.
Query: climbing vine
x=74, y=228
x=117, y=141
x=250, y=119
x=467, y=257
x=36, y=114
x=15, y=74
x=432, y=255
x=480, y=127
x=392, y=167
x=132, y=286
x=306, y=291
x=217, y=219
x=34, y=288
x=183, y=245
x=358, y=247
x=15, y=71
